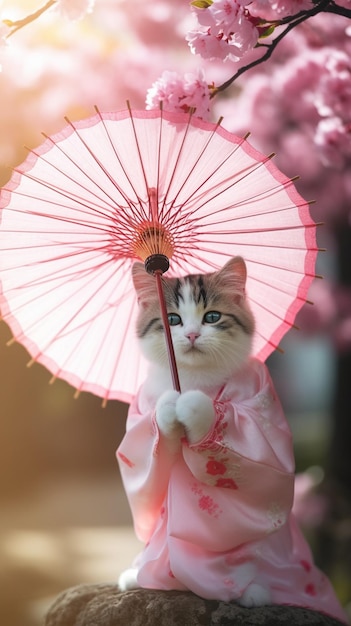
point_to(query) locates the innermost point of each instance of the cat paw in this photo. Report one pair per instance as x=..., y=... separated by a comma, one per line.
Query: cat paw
x=196, y=413
x=166, y=415
x=255, y=595
x=128, y=579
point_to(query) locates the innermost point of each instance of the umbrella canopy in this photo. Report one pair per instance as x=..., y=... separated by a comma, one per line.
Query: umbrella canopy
x=118, y=187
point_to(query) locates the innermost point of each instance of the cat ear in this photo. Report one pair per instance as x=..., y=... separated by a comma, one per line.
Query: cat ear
x=144, y=284
x=234, y=274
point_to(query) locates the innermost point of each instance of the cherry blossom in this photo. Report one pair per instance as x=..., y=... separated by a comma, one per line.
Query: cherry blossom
x=215, y=467
x=226, y=31
x=226, y=483
x=226, y=13
x=179, y=93
x=207, y=45
x=335, y=87
x=334, y=140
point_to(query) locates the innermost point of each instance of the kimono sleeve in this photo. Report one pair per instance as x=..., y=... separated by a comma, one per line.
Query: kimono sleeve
x=145, y=465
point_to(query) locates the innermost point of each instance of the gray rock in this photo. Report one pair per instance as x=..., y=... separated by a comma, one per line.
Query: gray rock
x=104, y=605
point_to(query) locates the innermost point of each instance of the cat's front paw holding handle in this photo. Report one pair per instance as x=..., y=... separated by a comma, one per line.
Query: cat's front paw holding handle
x=196, y=413
x=166, y=415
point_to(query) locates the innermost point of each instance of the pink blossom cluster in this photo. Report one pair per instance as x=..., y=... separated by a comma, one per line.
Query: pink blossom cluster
x=333, y=103
x=321, y=82
x=299, y=106
x=228, y=29
x=180, y=94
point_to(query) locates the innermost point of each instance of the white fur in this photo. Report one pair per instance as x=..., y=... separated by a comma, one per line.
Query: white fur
x=255, y=595
x=128, y=579
x=196, y=413
x=191, y=411
x=166, y=415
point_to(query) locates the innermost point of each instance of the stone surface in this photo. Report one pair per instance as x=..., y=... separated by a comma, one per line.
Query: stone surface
x=104, y=605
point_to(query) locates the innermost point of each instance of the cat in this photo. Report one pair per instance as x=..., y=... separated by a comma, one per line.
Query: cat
x=209, y=471
x=212, y=329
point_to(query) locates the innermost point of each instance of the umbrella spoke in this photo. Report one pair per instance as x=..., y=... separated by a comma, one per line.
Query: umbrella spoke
x=55, y=281
x=63, y=191
x=250, y=201
x=99, y=165
x=244, y=172
x=138, y=214
x=66, y=329
x=126, y=221
x=190, y=171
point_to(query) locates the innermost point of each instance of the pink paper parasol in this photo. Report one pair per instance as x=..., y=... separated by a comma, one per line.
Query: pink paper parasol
x=129, y=185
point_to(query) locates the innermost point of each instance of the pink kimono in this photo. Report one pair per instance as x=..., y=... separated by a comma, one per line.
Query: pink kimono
x=217, y=515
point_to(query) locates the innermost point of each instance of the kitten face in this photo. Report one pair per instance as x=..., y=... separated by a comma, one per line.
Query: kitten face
x=211, y=324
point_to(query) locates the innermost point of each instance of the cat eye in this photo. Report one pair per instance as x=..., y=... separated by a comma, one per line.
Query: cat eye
x=174, y=319
x=211, y=317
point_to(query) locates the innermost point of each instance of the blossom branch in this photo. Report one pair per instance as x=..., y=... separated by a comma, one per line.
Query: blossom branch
x=291, y=22
x=15, y=26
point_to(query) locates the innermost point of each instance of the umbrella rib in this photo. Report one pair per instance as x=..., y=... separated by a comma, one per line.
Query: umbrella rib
x=59, y=218
x=252, y=200
x=180, y=152
x=99, y=163
x=45, y=245
x=252, y=216
x=249, y=260
x=131, y=118
x=282, y=288
x=127, y=224
x=192, y=195
x=159, y=144
x=64, y=327
x=105, y=337
x=61, y=274
x=82, y=201
x=258, y=231
x=104, y=248
x=271, y=343
x=198, y=242
x=141, y=212
x=118, y=356
x=273, y=313
x=61, y=192
x=56, y=272
x=245, y=173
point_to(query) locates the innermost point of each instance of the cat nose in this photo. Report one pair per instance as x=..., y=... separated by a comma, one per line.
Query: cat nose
x=192, y=337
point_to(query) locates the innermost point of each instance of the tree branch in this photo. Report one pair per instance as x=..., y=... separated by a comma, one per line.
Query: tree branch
x=291, y=22
x=15, y=26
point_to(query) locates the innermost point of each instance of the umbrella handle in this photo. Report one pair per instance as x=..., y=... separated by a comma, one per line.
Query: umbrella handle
x=169, y=342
